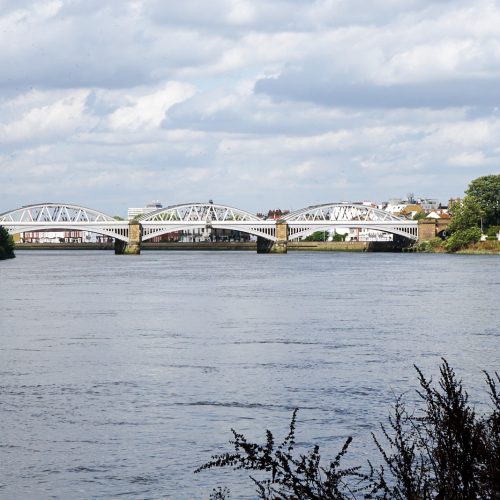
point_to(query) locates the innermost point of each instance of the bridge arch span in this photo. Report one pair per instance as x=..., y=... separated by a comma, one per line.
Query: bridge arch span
x=54, y=212
x=193, y=216
x=328, y=216
x=198, y=212
x=62, y=217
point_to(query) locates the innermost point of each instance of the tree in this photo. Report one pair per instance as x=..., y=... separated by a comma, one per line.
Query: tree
x=486, y=191
x=419, y=215
x=339, y=237
x=464, y=229
x=6, y=244
x=316, y=236
x=465, y=213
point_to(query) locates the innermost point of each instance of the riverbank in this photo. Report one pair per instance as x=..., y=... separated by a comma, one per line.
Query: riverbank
x=482, y=248
x=479, y=248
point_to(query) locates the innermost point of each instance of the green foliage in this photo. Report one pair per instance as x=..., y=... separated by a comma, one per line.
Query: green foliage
x=427, y=246
x=464, y=227
x=486, y=191
x=492, y=232
x=323, y=236
x=436, y=242
x=316, y=236
x=462, y=238
x=339, y=237
x=465, y=214
x=423, y=246
x=441, y=450
x=6, y=244
x=419, y=215
x=117, y=217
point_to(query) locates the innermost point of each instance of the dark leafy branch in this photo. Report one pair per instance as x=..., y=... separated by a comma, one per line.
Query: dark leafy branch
x=441, y=450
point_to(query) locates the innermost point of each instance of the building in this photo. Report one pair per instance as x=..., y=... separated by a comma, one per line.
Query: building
x=274, y=214
x=133, y=213
x=62, y=237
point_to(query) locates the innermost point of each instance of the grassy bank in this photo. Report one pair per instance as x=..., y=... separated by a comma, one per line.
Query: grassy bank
x=329, y=246
x=479, y=248
x=482, y=248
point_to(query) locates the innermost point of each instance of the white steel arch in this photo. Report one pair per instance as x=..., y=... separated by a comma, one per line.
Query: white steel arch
x=62, y=216
x=190, y=216
x=198, y=212
x=306, y=221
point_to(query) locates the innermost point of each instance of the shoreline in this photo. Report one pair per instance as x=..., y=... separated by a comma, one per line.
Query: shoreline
x=480, y=248
x=216, y=246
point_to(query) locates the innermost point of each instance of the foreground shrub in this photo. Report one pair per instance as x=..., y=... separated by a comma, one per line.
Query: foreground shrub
x=441, y=450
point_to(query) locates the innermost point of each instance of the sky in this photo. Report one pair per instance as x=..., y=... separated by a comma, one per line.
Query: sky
x=256, y=104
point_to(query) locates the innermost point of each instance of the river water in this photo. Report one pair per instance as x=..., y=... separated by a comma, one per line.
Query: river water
x=122, y=374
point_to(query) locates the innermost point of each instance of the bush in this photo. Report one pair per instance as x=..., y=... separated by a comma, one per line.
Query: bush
x=436, y=242
x=492, y=232
x=423, y=246
x=429, y=245
x=445, y=450
x=442, y=450
x=462, y=238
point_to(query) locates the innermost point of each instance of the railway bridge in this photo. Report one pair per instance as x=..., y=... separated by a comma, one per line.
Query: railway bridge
x=272, y=235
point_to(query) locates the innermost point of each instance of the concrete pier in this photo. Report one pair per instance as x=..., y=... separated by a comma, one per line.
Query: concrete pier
x=133, y=247
x=280, y=245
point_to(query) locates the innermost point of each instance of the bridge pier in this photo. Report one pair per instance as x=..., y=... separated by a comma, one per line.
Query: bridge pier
x=426, y=229
x=280, y=245
x=133, y=247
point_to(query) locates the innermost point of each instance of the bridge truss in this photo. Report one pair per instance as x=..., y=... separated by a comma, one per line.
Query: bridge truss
x=201, y=216
x=191, y=216
x=62, y=217
x=325, y=217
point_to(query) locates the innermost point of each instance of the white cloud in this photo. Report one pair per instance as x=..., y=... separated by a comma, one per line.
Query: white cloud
x=148, y=111
x=258, y=104
x=472, y=159
x=49, y=121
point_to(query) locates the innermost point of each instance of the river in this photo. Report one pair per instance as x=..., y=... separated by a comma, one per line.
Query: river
x=122, y=374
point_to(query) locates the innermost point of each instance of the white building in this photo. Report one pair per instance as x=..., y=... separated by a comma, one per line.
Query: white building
x=132, y=213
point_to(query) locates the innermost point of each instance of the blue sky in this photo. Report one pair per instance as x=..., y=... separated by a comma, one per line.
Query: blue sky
x=254, y=103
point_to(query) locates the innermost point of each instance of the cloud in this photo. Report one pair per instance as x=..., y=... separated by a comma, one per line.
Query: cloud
x=435, y=94
x=259, y=104
x=148, y=111
x=48, y=122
